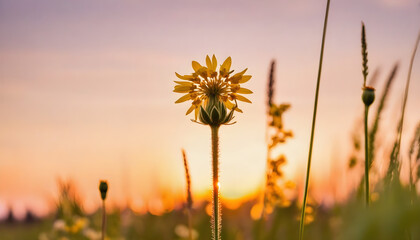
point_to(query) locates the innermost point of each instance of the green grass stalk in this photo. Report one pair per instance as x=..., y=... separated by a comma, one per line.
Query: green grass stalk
x=189, y=195
x=394, y=164
x=366, y=155
x=407, y=86
x=103, y=220
x=103, y=189
x=308, y=170
x=381, y=106
x=414, y=146
x=216, y=218
x=368, y=97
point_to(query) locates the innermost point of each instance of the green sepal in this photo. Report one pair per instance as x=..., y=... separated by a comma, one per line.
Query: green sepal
x=229, y=117
x=204, y=116
x=215, y=116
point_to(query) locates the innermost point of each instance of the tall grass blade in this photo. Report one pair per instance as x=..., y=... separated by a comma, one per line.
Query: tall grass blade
x=375, y=126
x=394, y=164
x=414, y=146
x=308, y=170
x=407, y=86
x=189, y=195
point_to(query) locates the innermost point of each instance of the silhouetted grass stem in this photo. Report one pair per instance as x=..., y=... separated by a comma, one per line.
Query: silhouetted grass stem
x=407, y=86
x=103, y=220
x=366, y=156
x=189, y=195
x=302, y=218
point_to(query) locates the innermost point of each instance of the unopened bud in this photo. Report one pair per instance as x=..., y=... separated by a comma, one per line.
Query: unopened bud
x=368, y=95
x=215, y=113
x=103, y=189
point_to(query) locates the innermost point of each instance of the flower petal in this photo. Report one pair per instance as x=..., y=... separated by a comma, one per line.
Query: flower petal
x=214, y=62
x=226, y=64
x=229, y=104
x=190, y=109
x=202, y=72
x=196, y=110
x=184, y=98
x=245, y=78
x=182, y=89
x=208, y=62
x=244, y=91
x=196, y=66
x=242, y=98
x=235, y=79
x=184, y=77
x=184, y=83
x=241, y=73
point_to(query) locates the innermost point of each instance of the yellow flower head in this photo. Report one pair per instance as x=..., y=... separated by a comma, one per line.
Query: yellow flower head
x=206, y=83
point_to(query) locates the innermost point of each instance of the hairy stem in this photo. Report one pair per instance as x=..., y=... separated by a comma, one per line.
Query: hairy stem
x=366, y=156
x=302, y=218
x=216, y=219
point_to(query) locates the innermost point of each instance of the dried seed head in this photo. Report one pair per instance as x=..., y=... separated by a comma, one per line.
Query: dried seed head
x=188, y=180
x=271, y=80
x=365, y=70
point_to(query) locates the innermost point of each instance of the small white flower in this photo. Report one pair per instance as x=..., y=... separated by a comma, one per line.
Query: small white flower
x=92, y=234
x=59, y=225
x=183, y=232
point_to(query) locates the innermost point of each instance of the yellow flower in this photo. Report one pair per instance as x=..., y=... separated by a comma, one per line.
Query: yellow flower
x=206, y=82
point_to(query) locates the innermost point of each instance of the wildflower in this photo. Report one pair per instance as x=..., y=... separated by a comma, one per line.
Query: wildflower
x=212, y=91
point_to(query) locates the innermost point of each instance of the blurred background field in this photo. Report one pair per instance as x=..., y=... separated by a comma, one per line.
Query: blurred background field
x=393, y=215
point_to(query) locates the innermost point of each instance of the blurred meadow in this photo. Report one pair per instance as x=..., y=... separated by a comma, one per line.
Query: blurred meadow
x=87, y=94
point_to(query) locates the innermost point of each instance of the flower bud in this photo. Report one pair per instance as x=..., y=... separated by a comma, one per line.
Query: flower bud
x=103, y=189
x=368, y=95
x=215, y=113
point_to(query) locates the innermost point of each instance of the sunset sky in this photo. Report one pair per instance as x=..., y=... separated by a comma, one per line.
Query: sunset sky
x=86, y=92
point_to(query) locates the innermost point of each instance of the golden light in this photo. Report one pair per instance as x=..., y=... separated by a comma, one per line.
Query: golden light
x=256, y=211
